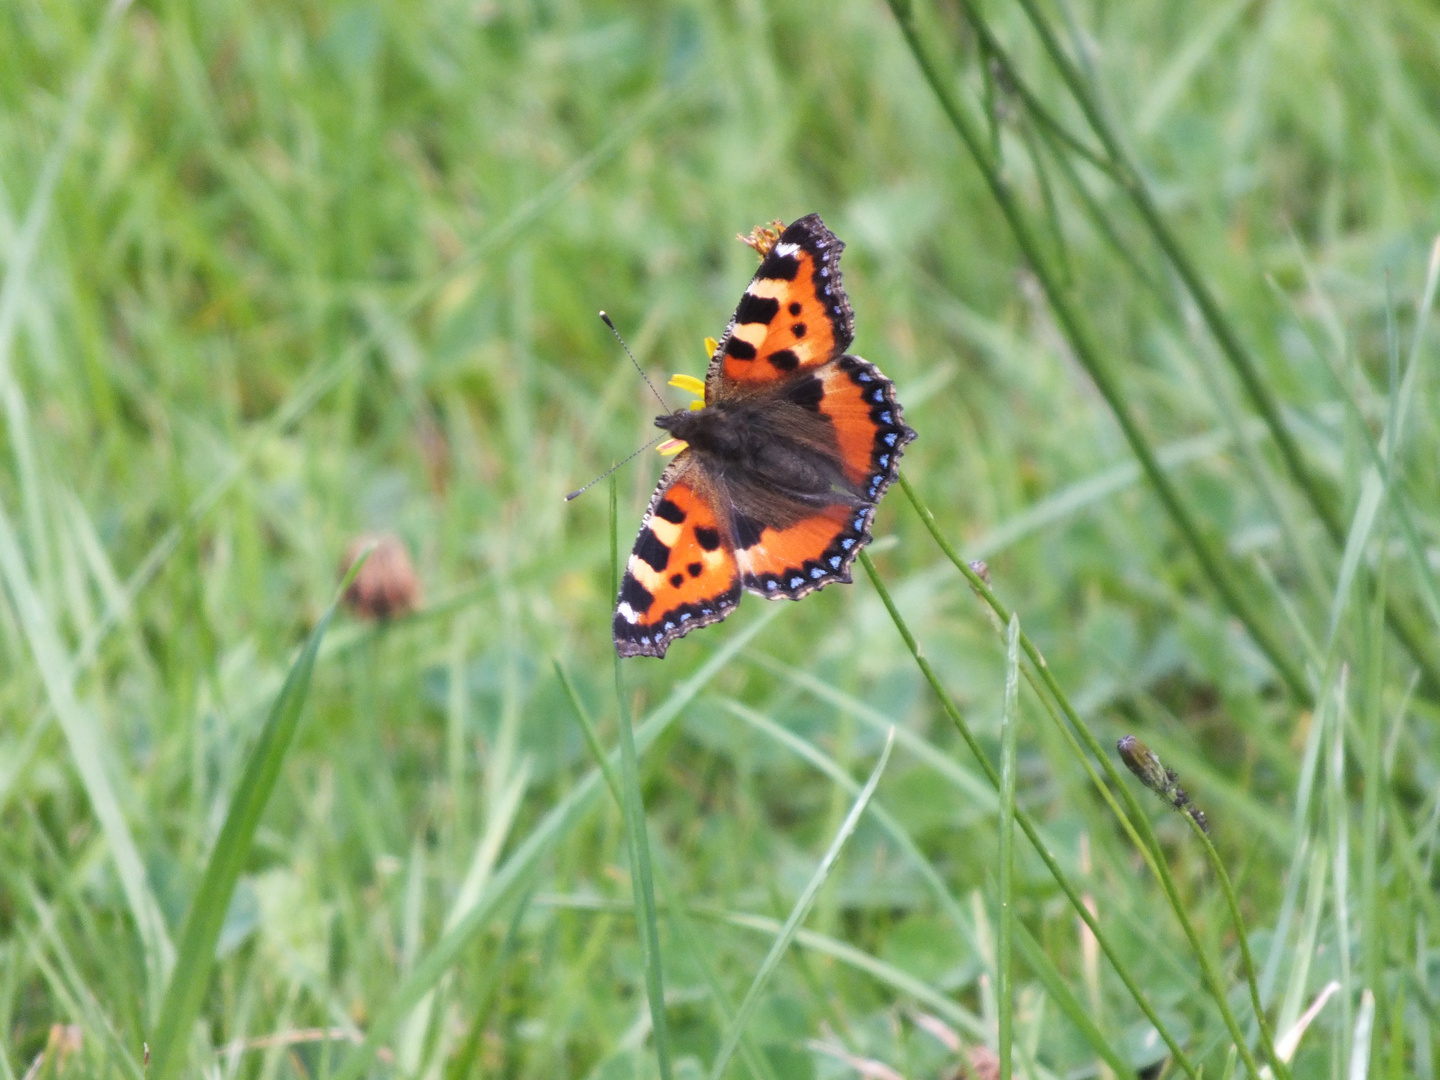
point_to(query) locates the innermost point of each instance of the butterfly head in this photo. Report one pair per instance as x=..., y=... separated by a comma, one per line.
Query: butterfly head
x=694, y=386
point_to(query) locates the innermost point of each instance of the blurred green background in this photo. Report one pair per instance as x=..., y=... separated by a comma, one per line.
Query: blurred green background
x=279, y=274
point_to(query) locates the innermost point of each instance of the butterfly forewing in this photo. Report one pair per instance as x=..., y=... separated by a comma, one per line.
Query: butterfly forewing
x=794, y=314
x=682, y=572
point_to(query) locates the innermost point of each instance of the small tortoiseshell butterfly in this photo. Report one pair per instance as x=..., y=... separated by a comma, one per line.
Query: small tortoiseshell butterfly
x=780, y=471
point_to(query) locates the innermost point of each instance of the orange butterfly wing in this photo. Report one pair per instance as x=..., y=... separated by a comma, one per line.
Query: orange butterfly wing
x=682, y=572
x=869, y=431
x=869, y=437
x=794, y=314
x=800, y=558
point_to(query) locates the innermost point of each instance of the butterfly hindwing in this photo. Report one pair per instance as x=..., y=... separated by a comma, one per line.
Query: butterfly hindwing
x=794, y=314
x=800, y=558
x=682, y=572
x=869, y=430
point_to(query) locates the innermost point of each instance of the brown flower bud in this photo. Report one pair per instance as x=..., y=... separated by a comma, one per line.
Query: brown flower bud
x=386, y=586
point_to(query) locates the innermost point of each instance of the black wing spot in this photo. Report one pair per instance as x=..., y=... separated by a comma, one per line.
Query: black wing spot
x=795, y=307
x=756, y=309
x=708, y=538
x=650, y=549
x=747, y=531
x=808, y=393
x=740, y=349
x=677, y=580
x=670, y=512
x=798, y=330
x=694, y=569
x=779, y=268
x=783, y=360
x=636, y=595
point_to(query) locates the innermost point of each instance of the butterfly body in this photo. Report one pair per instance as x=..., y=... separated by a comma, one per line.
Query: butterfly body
x=782, y=468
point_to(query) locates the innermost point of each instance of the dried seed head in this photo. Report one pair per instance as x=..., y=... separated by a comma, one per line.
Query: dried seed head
x=763, y=238
x=386, y=586
x=1146, y=765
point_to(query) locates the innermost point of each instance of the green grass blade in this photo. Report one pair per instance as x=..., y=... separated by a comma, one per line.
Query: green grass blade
x=1337, y=811
x=1360, y=1038
x=1031, y=832
x=798, y=913
x=1010, y=719
x=89, y=748
x=1240, y=358
x=754, y=1058
x=1372, y=493
x=506, y=881
x=1213, y=564
x=884, y=973
x=637, y=837
x=190, y=978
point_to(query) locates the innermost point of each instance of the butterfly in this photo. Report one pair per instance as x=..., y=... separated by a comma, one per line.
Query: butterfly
x=782, y=467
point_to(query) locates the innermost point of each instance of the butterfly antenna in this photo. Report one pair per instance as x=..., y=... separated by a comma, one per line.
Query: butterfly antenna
x=581, y=491
x=663, y=403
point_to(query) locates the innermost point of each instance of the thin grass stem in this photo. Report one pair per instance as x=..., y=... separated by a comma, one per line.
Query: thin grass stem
x=1010, y=721
x=1130, y=177
x=1135, y=812
x=752, y=1055
x=196, y=954
x=1077, y=330
x=797, y=915
x=642, y=879
x=1024, y=821
x=1242, y=938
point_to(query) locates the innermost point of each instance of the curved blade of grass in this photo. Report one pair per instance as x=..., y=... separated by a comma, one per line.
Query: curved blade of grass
x=1004, y=983
x=1372, y=492
x=1131, y=179
x=758, y=1064
x=636, y=836
x=1133, y=812
x=188, y=982
x=1035, y=956
x=882, y=972
x=1026, y=824
x=1360, y=1041
x=88, y=747
x=507, y=880
x=1213, y=564
x=797, y=916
